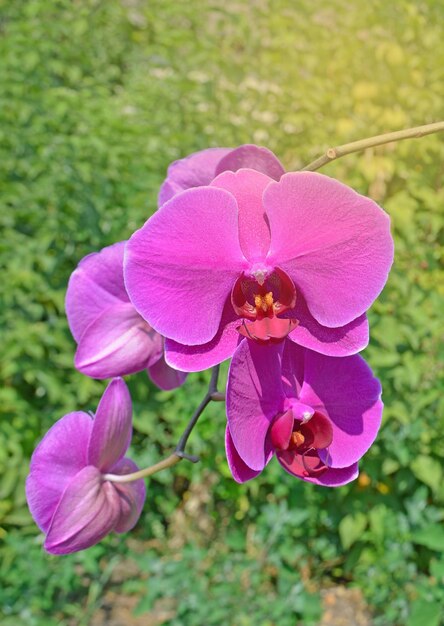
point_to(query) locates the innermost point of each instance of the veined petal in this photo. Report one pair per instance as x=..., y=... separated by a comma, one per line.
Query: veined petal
x=181, y=265
x=252, y=157
x=117, y=343
x=204, y=356
x=247, y=186
x=333, y=243
x=346, y=391
x=132, y=496
x=239, y=470
x=340, y=341
x=88, y=510
x=95, y=285
x=254, y=397
x=112, y=426
x=164, y=376
x=60, y=455
x=196, y=170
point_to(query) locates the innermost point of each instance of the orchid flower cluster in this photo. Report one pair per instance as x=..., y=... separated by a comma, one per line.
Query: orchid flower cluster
x=241, y=260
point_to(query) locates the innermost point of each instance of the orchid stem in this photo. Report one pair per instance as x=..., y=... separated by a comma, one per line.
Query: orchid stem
x=356, y=146
x=179, y=453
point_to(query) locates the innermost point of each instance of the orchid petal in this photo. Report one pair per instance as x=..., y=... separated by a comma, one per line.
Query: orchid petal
x=240, y=470
x=248, y=186
x=333, y=243
x=112, y=426
x=204, y=356
x=254, y=397
x=341, y=341
x=132, y=496
x=329, y=478
x=252, y=157
x=117, y=343
x=195, y=170
x=88, y=510
x=60, y=455
x=95, y=285
x=346, y=391
x=181, y=265
x=164, y=376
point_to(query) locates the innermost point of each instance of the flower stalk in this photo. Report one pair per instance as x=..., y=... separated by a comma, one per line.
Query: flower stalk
x=371, y=142
x=212, y=395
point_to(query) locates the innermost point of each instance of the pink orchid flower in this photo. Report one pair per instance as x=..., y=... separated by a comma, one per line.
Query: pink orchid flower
x=248, y=255
x=200, y=168
x=68, y=494
x=317, y=414
x=113, y=339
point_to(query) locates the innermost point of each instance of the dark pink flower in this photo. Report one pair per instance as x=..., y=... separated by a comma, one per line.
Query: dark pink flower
x=317, y=414
x=68, y=494
x=200, y=168
x=248, y=255
x=113, y=339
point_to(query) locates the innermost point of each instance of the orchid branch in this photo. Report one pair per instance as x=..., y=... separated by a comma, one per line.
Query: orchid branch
x=356, y=146
x=212, y=395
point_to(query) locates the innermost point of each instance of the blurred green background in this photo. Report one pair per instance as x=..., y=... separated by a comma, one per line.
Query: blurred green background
x=97, y=98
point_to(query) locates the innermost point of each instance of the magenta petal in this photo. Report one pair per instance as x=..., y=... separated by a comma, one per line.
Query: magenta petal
x=247, y=186
x=112, y=426
x=95, y=285
x=117, y=343
x=132, y=496
x=281, y=429
x=60, y=455
x=240, y=470
x=254, y=158
x=88, y=510
x=181, y=265
x=164, y=376
x=206, y=355
x=254, y=397
x=333, y=243
x=341, y=341
x=329, y=478
x=195, y=170
x=346, y=391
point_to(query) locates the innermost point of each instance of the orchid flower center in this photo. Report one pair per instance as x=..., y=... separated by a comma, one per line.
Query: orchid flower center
x=297, y=442
x=260, y=298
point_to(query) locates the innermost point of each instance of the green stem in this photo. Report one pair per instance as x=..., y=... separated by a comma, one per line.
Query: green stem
x=356, y=146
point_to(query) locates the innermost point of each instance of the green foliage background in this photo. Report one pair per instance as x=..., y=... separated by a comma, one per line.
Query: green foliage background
x=97, y=98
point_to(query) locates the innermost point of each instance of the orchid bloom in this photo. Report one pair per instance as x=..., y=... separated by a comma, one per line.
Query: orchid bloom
x=248, y=255
x=113, y=339
x=68, y=493
x=200, y=168
x=317, y=414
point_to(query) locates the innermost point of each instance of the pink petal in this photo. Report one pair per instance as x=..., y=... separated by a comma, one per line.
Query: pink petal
x=333, y=243
x=240, y=471
x=88, y=510
x=204, y=356
x=329, y=478
x=132, y=496
x=247, y=186
x=254, y=397
x=164, y=376
x=60, y=455
x=195, y=170
x=254, y=158
x=96, y=284
x=181, y=265
x=117, y=343
x=346, y=391
x=281, y=429
x=341, y=341
x=112, y=426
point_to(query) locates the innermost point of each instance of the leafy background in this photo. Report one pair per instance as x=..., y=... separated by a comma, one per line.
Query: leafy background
x=97, y=98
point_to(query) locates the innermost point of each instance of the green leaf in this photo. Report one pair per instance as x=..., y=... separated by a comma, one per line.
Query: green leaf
x=351, y=528
x=425, y=613
x=428, y=471
x=431, y=537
